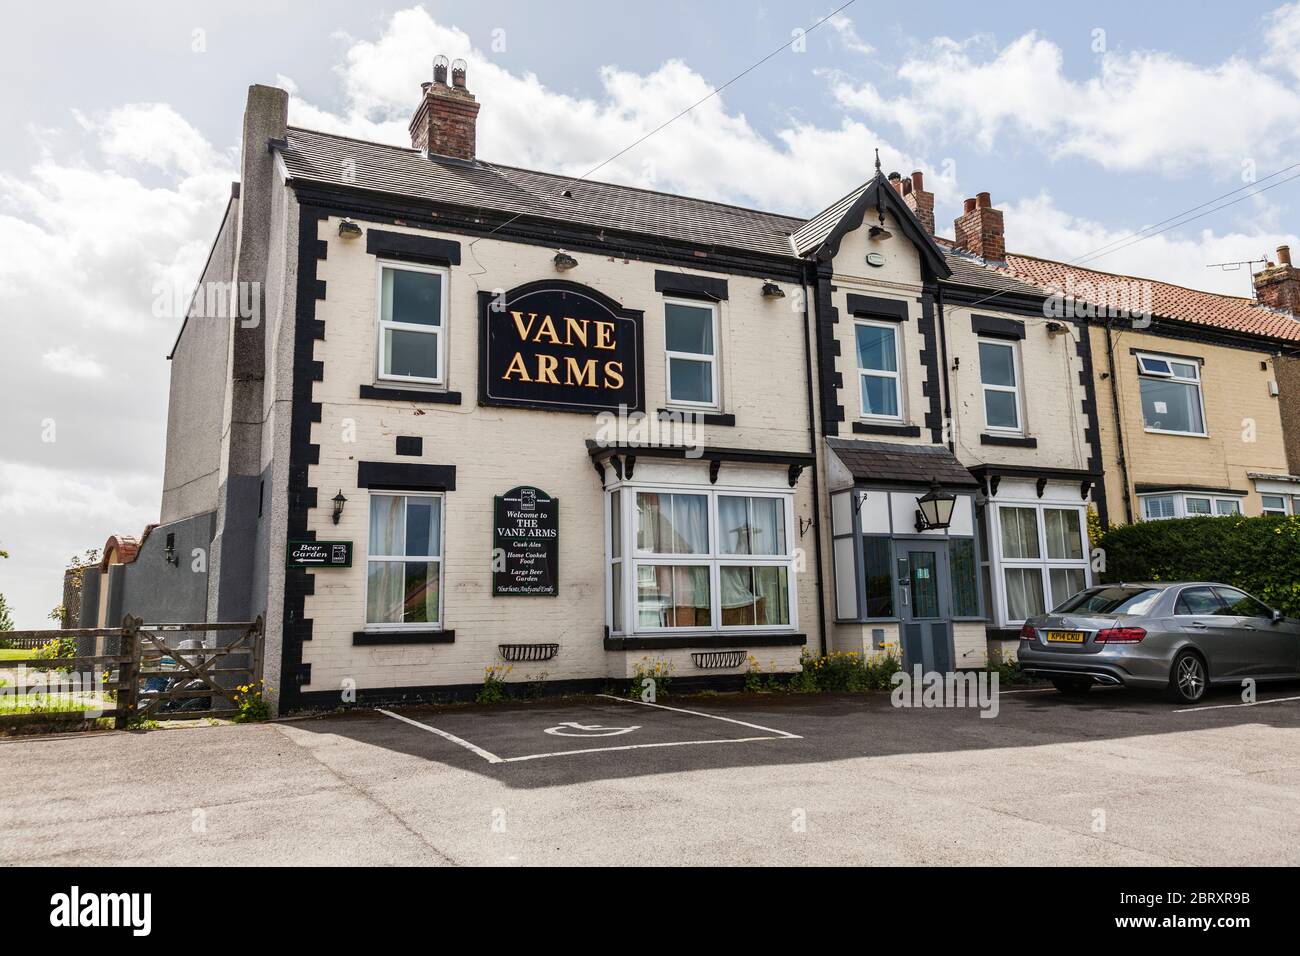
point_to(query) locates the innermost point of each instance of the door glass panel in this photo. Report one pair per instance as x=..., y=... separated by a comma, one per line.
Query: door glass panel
x=924, y=574
x=1197, y=601
x=1239, y=604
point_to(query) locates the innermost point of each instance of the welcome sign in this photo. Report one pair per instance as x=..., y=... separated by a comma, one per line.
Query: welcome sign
x=559, y=346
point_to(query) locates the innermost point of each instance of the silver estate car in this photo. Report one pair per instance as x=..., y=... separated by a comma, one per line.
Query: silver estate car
x=1178, y=637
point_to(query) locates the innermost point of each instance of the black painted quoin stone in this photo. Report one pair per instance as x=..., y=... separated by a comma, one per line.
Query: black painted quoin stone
x=526, y=543
x=559, y=346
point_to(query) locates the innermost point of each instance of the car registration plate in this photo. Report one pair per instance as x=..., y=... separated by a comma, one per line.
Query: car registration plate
x=1065, y=637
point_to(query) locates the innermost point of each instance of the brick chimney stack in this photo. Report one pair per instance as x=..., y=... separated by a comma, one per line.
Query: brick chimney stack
x=979, y=229
x=1278, y=285
x=444, y=123
x=920, y=201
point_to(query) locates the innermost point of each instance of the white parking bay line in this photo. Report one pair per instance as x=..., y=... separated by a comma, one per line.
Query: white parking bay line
x=670, y=743
x=697, y=713
x=489, y=757
x=1253, y=703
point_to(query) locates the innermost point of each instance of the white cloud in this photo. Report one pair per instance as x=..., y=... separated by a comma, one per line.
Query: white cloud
x=1282, y=39
x=1140, y=109
x=848, y=35
x=67, y=360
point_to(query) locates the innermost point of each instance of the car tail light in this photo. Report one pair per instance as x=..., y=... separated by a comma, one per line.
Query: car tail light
x=1027, y=633
x=1119, y=635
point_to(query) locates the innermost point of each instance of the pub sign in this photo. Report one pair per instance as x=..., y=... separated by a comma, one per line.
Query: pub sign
x=559, y=346
x=526, y=543
x=319, y=554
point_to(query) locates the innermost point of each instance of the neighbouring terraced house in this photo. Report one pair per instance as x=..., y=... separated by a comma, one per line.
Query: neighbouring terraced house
x=456, y=414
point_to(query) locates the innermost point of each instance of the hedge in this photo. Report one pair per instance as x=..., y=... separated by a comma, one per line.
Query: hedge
x=1258, y=555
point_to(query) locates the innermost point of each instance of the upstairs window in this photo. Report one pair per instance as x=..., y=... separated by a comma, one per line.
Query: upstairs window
x=1171, y=395
x=1001, y=385
x=690, y=337
x=878, y=370
x=412, y=323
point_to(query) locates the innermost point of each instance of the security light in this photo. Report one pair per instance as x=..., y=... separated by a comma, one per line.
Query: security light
x=349, y=230
x=773, y=291
x=564, y=262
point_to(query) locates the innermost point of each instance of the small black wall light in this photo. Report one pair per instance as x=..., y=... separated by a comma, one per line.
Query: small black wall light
x=564, y=262
x=169, y=552
x=349, y=230
x=773, y=291
x=339, y=502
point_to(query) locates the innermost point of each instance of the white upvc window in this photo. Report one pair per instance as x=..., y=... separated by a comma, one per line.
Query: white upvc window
x=691, y=353
x=412, y=340
x=879, y=379
x=404, y=562
x=1040, y=558
x=1188, y=504
x=1172, y=403
x=1000, y=381
x=683, y=558
x=1273, y=504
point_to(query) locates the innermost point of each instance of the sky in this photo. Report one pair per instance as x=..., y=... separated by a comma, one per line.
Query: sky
x=1086, y=122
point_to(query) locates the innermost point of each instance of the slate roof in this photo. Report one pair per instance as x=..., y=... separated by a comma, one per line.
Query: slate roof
x=813, y=233
x=342, y=161
x=1233, y=313
x=895, y=462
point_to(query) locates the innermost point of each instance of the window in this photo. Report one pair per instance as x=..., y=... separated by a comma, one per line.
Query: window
x=690, y=336
x=1240, y=604
x=1273, y=504
x=404, y=563
x=878, y=576
x=1171, y=395
x=1179, y=505
x=965, y=590
x=705, y=560
x=878, y=370
x=1000, y=382
x=1042, y=556
x=412, y=307
x=1197, y=601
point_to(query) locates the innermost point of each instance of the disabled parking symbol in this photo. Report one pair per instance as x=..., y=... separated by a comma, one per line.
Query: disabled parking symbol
x=571, y=728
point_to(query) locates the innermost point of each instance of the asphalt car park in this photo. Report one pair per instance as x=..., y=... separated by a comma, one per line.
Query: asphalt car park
x=1115, y=777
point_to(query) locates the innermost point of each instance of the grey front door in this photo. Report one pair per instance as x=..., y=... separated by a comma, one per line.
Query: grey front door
x=926, y=605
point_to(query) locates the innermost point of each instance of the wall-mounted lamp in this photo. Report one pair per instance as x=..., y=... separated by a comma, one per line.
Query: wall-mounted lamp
x=773, y=291
x=879, y=232
x=349, y=230
x=934, y=509
x=169, y=552
x=339, y=502
x=564, y=262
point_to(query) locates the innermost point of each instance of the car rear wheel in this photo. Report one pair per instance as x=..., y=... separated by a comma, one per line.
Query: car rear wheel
x=1072, y=686
x=1188, y=680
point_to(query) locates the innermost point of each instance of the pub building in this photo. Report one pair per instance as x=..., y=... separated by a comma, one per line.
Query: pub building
x=492, y=417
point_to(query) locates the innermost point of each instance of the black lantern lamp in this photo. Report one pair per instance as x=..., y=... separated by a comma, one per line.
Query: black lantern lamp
x=934, y=508
x=339, y=502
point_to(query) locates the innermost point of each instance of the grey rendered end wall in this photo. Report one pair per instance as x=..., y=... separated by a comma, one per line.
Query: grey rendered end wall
x=160, y=592
x=197, y=394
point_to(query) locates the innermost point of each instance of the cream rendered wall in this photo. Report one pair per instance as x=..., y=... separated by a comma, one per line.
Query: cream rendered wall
x=899, y=278
x=495, y=449
x=1051, y=393
x=1243, y=422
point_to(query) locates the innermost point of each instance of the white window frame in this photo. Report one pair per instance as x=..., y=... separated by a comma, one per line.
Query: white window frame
x=712, y=360
x=1265, y=510
x=1143, y=372
x=896, y=375
x=1181, y=498
x=985, y=388
x=442, y=548
x=632, y=558
x=440, y=331
x=998, y=564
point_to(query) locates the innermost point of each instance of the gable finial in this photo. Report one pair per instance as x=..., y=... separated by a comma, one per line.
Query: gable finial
x=877, y=159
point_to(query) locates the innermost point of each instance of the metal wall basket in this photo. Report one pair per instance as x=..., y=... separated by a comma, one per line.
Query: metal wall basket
x=528, y=652
x=709, y=660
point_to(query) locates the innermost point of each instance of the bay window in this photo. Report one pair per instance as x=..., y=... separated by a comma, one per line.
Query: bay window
x=699, y=560
x=1042, y=556
x=404, y=562
x=412, y=323
x=1178, y=504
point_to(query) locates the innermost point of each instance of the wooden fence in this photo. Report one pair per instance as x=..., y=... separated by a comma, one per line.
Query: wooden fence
x=145, y=678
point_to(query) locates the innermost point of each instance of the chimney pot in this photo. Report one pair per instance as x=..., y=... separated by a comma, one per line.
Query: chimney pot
x=968, y=206
x=439, y=70
x=458, y=74
x=983, y=200
x=917, y=181
x=1284, y=255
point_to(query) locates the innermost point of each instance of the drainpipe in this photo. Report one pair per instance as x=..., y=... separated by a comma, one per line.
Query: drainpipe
x=816, y=469
x=1119, y=427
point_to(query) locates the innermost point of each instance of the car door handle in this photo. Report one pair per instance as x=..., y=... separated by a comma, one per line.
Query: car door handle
x=1198, y=625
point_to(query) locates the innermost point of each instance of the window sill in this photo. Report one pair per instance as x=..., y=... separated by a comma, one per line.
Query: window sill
x=430, y=396
x=884, y=428
x=1162, y=431
x=703, y=414
x=1008, y=441
x=382, y=638
x=711, y=640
